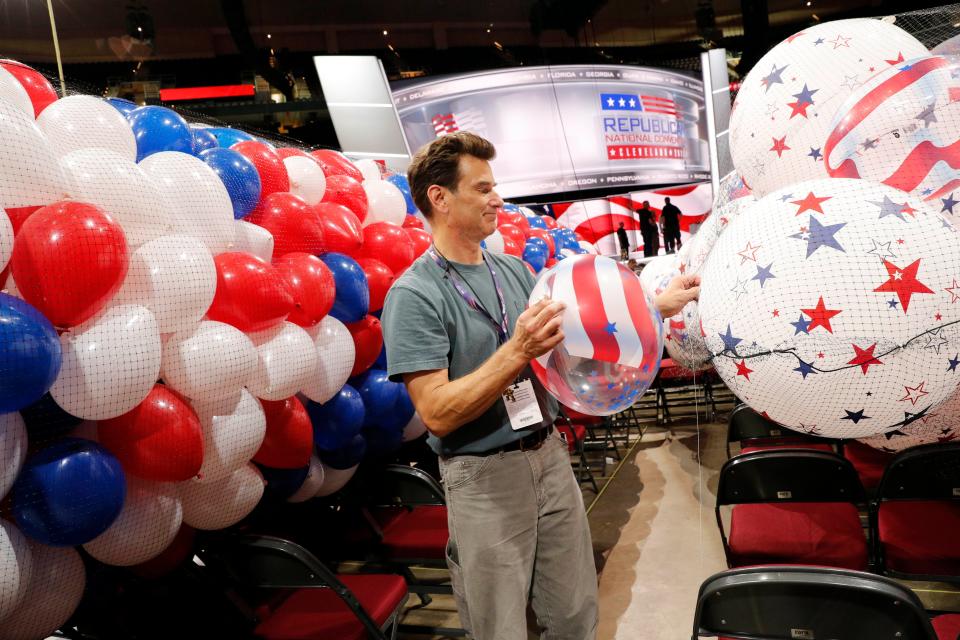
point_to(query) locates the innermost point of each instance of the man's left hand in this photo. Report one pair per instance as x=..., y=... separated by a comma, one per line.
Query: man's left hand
x=680, y=291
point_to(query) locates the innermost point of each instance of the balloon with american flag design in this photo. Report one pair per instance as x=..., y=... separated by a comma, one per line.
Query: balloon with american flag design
x=612, y=336
x=902, y=128
x=782, y=113
x=827, y=307
x=658, y=273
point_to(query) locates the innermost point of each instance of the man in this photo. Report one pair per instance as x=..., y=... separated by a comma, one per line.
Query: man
x=670, y=219
x=648, y=229
x=624, y=243
x=459, y=335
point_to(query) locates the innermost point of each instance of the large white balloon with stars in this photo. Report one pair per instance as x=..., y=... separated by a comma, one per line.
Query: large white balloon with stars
x=783, y=111
x=828, y=305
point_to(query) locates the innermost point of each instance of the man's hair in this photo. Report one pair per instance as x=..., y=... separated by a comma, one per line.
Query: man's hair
x=439, y=163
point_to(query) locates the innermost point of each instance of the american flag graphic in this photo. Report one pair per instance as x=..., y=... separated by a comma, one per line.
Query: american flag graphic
x=467, y=120
x=634, y=102
x=444, y=123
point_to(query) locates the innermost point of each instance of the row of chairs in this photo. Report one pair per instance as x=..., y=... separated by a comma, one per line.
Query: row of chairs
x=790, y=499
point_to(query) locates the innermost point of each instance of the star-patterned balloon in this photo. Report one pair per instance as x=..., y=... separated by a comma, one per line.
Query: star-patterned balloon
x=835, y=319
x=731, y=188
x=785, y=106
x=658, y=273
x=902, y=128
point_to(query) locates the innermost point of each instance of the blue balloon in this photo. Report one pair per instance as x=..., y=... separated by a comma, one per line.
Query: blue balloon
x=381, y=361
x=45, y=419
x=536, y=222
x=536, y=252
x=122, y=105
x=509, y=206
x=283, y=483
x=346, y=456
x=227, y=136
x=352, y=300
x=559, y=242
x=238, y=175
x=400, y=182
x=29, y=354
x=337, y=420
x=379, y=396
x=69, y=493
x=382, y=443
x=159, y=129
x=202, y=140
x=402, y=413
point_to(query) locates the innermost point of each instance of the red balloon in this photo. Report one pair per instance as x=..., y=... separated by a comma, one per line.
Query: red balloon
x=421, y=241
x=513, y=232
x=386, y=242
x=19, y=215
x=546, y=237
x=412, y=222
x=170, y=558
x=270, y=167
x=69, y=260
x=551, y=262
x=251, y=293
x=286, y=152
x=39, y=89
x=379, y=279
x=311, y=283
x=342, y=231
x=288, y=442
x=550, y=221
x=335, y=163
x=512, y=247
x=3, y=276
x=579, y=237
x=515, y=218
x=348, y=192
x=368, y=341
x=159, y=439
x=295, y=225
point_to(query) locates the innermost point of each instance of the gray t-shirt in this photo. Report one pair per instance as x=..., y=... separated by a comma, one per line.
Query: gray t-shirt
x=427, y=326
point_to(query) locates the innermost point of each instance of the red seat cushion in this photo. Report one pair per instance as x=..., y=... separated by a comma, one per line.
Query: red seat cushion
x=317, y=614
x=868, y=462
x=947, y=626
x=822, y=533
x=418, y=533
x=815, y=446
x=920, y=536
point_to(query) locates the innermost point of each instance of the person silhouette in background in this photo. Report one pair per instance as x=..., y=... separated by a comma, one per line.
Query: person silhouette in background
x=648, y=229
x=670, y=221
x=624, y=243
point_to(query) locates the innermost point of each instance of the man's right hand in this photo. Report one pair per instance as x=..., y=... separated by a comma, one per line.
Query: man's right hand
x=538, y=329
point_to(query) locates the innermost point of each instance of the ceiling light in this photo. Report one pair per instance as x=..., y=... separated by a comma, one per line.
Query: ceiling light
x=269, y=36
x=488, y=30
x=385, y=32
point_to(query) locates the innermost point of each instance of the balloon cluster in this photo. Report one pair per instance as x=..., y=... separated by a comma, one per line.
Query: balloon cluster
x=182, y=306
x=829, y=280
x=537, y=239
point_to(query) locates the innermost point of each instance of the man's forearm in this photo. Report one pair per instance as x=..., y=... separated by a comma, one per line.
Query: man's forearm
x=455, y=403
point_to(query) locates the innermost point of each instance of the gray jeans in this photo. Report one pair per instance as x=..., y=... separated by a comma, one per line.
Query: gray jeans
x=518, y=532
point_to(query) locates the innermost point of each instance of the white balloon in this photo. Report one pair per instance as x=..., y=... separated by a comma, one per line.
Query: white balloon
x=147, y=524
x=110, y=363
x=694, y=253
x=335, y=479
x=369, y=169
x=287, y=361
x=414, y=429
x=306, y=178
x=683, y=340
x=211, y=361
x=252, y=238
x=941, y=425
x=51, y=596
x=232, y=435
x=494, y=242
x=6, y=238
x=16, y=568
x=174, y=276
x=781, y=116
x=217, y=505
x=199, y=204
x=336, y=353
x=13, y=449
x=385, y=203
x=32, y=175
x=85, y=122
x=311, y=484
x=589, y=247
x=120, y=187
x=657, y=274
x=13, y=92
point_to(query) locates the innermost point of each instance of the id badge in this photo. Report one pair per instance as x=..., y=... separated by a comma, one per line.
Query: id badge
x=522, y=406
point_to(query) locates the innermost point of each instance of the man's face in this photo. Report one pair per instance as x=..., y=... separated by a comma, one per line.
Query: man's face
x=473, y=206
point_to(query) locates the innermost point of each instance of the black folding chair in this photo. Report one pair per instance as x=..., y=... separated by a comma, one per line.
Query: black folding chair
x=808, y=603
x=746, y=425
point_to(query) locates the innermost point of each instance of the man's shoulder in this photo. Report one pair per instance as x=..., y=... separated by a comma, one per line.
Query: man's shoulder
x=422, y=273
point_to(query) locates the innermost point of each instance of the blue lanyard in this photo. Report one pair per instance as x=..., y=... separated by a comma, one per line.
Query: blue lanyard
x=466, y=292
